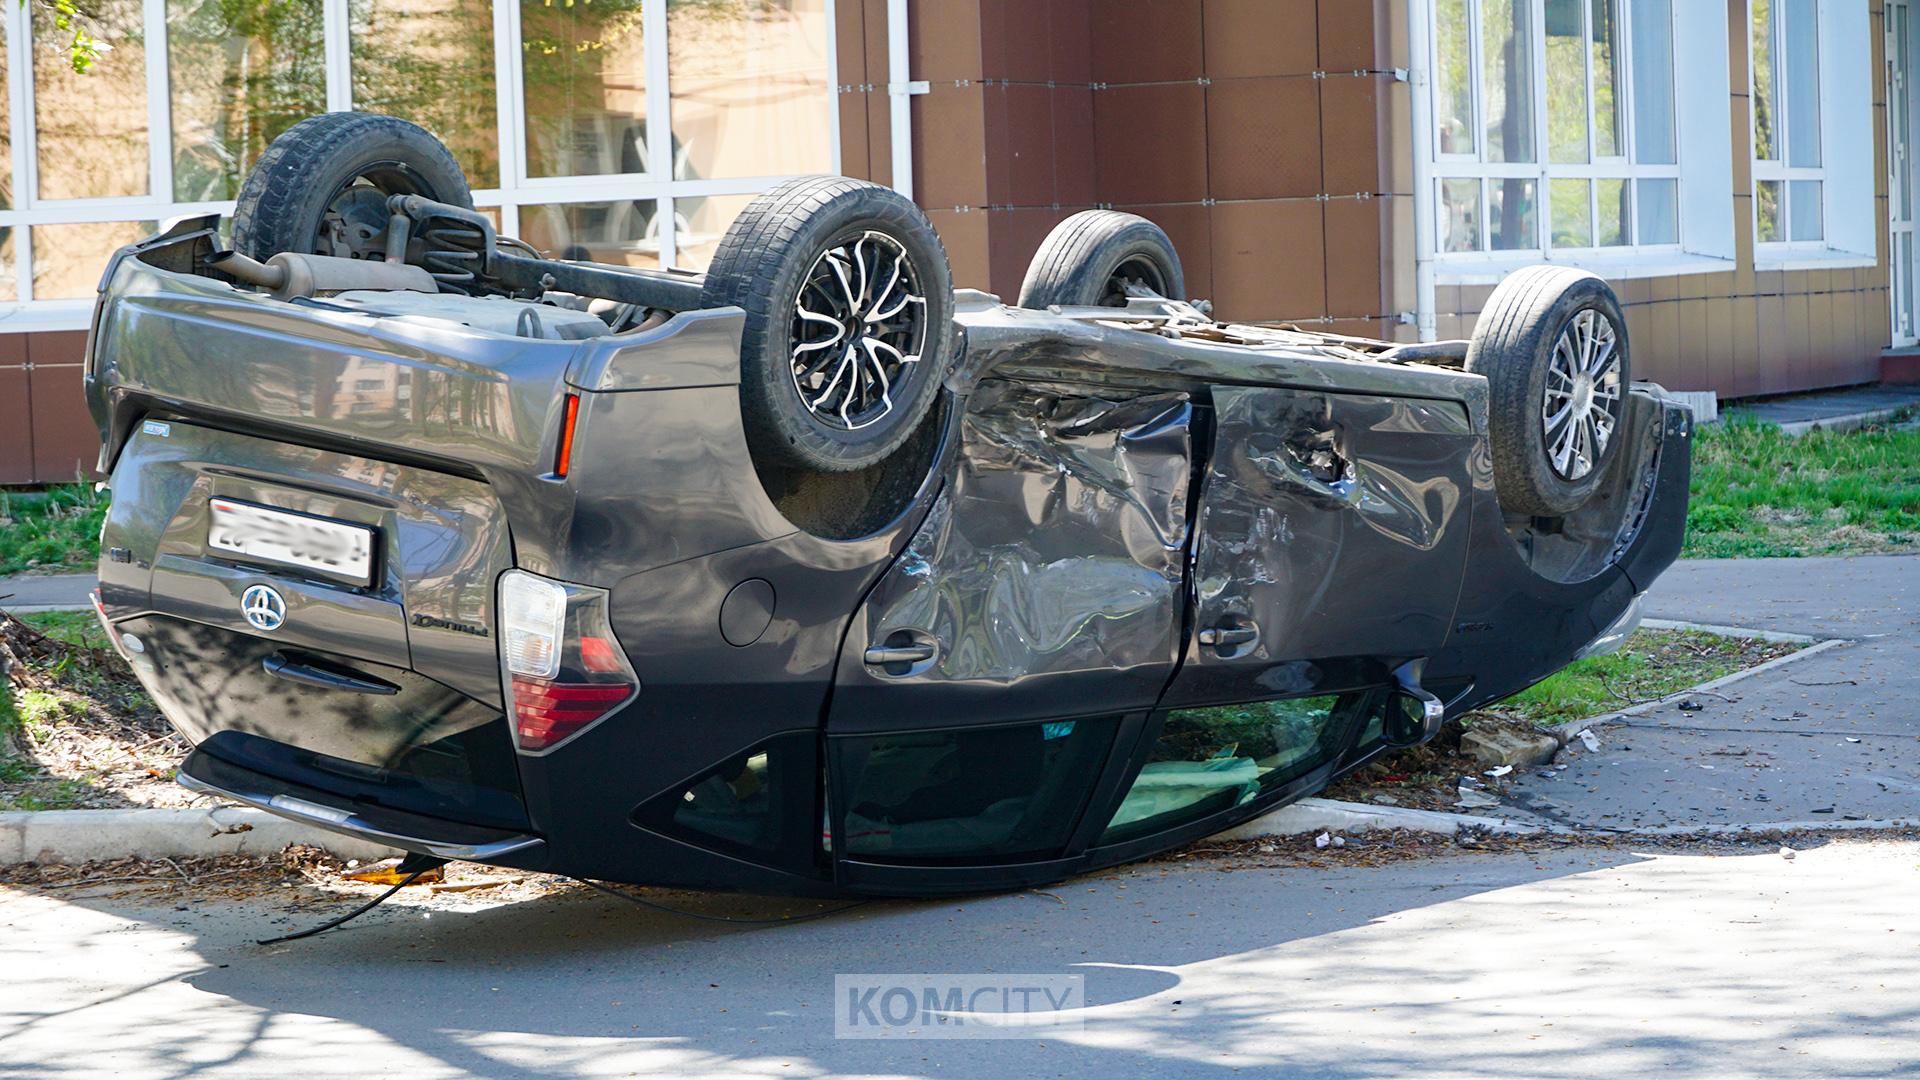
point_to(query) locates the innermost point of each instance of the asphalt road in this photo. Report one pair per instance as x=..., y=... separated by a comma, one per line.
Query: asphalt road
x=1574, y=963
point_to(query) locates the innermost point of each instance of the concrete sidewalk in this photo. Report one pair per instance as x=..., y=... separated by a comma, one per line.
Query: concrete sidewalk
x=1832, y=410
x=1835, y=737
x=46, y=592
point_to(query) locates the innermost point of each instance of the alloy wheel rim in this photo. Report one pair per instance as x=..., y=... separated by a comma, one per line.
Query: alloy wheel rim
x=859, y=330
x=1581, y=406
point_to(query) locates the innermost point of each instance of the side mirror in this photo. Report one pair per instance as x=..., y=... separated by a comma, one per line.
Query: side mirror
x=1413, y=714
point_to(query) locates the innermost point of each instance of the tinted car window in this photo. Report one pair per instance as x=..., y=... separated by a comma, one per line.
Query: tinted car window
x=1002, y=793
x=1214, y=759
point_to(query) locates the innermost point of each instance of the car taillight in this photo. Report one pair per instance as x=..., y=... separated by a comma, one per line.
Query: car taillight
x=563, y=670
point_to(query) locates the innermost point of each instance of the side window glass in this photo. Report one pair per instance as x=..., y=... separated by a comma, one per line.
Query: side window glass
x=983, y=793
x=1213, y=759
x=757, y=805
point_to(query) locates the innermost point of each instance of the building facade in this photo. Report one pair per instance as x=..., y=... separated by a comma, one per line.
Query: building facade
x=1739, y=169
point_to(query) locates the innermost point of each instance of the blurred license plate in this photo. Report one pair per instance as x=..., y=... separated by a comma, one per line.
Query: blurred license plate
x=326, y=547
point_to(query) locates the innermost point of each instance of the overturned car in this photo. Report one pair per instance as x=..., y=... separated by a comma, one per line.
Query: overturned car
x=811, y=574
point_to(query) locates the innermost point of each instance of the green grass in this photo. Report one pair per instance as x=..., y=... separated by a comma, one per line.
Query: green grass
x=1758, y=493
x=1652, y=664
x=73, y=627
x=51, y=531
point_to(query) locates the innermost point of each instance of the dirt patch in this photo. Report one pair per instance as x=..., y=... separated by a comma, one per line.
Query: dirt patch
x=77, y=731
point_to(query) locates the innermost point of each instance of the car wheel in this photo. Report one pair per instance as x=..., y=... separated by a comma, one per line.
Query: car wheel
x=1101, y=258
x=321, y=188
x=849, y=302
x=1552, y=344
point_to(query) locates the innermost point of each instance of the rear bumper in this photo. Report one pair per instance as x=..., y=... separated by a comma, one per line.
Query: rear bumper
x=205, y=772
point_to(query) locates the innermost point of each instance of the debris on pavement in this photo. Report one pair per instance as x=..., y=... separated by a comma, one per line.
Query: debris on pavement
x=1588, y=739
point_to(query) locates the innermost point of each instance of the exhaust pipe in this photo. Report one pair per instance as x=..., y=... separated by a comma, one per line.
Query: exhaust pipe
x=289, y=275
x=252, y=271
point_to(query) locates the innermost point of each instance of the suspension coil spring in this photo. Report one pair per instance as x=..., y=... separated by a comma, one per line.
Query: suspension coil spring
x=454, y=255
x=456, y=242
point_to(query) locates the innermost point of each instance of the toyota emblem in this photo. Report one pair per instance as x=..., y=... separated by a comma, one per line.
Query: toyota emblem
x=264, y=607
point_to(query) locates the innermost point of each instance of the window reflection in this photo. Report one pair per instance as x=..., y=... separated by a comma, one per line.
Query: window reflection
x=67, y=258
x=1209, y=760
x=623, y=232
x=431, y=63
x=238, y=76
x=700, y=224
x=585, y=87
x=751, y=89
x=92, y=128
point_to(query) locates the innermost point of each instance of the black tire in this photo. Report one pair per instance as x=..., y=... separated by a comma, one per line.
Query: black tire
x=341, y=165
x=1090, y=258
x=779, y=259
x=1539, y=468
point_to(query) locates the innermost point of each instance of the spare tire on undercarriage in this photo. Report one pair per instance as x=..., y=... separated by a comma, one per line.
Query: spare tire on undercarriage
x=321, y=188
x=849, y=302
x=1103, y=258
x=1552, y=344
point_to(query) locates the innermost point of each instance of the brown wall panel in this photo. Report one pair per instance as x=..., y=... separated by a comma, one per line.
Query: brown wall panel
x=16, y=421
x=1261, y=37
x=1274, y=148
x=1269, y=260
x=1145, y=41
x=1150, y=143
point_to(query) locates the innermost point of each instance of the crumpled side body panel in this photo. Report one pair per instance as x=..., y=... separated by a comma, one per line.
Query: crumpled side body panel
x=1332, y=525
x=1055, y=550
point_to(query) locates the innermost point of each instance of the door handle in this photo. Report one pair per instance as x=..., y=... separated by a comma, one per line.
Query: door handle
x=880, y=655
x=282, y=666
x=1227, y=637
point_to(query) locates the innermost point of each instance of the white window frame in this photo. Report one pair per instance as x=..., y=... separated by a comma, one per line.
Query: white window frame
x=1849, y=234
x=1703, y=143
x=515, y=191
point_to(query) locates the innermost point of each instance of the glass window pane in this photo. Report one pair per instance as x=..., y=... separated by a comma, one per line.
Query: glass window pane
x=1604, y=52
x=1506, y=48
x=1768, y=211
x=752, y=95
x=1572, y=213
x=9, y=279
x=1800, y=37
x=1209, y=760
x=238, y=76
x=1804, y=211
x=1511, y=215
x=1453, y=80
x=431, y=63
x=6, y=158
x=585, y=87
x=67, y=258
x=699, y=225
x=1614, y=202
x=1460, y=215
x=1008, y=792
x=1766, y=83
x=1659, y=202
x=1566, y=82
x=623, y=232
x=1653, y=141
x=92, y=128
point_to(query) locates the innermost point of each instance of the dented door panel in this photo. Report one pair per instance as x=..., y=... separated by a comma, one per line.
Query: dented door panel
x=1333, y=527
x=1049, y=571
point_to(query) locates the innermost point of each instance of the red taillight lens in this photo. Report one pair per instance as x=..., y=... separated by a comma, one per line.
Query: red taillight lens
x=546, y=713
x=561, y=666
